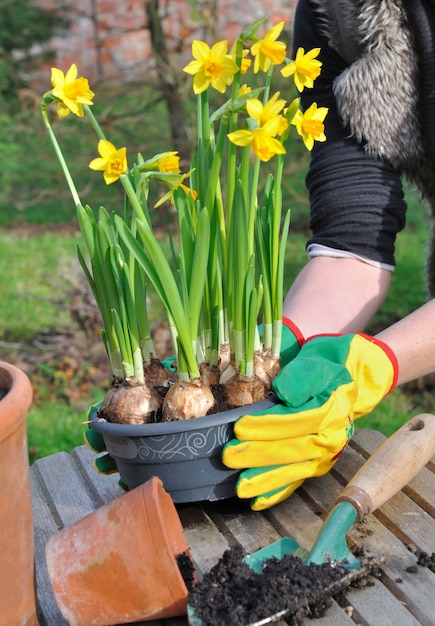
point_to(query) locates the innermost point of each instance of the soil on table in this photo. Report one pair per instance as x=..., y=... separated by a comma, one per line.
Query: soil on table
x=231, y=593
x=427, y=560
x=187, y=569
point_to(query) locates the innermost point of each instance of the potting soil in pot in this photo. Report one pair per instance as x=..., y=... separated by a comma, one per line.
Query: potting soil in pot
x=231, y=593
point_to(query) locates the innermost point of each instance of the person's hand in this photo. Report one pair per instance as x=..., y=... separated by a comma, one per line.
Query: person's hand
x=334, y=380
x=291, y=342
x=104, y=464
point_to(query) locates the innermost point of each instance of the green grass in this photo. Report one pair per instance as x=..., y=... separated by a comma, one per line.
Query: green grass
x=32, y=289
x=56, y=426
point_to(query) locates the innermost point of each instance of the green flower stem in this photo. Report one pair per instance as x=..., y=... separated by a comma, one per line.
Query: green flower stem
x=203, y=119
x=276, y=337
x=60, y=156
x=213, y=183
x=94, y=122
x=252, y=210
x=238, y=343
x=267, y=83
x=276, y=225
x=134, y=200
x=127, y=363
x=155, y=264
x=245, y=172
x=276, y=348
x=231, y=168
x=232, y=150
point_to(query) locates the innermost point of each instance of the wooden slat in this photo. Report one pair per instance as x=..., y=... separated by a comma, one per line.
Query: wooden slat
x=366, y=441
x=376, y=606
x=44, y=527
x=251, y=530
x=67, y=496
x=401, y=514
x=420, y=489
x=105, y=488
x=206, y=543
x=376, y=539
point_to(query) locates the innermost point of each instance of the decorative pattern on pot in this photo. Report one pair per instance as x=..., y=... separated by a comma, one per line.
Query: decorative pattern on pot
x=185, y=455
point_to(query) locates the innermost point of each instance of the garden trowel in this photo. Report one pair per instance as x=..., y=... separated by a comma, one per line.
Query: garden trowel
x=385, y=473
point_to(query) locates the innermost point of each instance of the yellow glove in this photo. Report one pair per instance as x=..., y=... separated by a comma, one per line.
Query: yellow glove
x=332, y=381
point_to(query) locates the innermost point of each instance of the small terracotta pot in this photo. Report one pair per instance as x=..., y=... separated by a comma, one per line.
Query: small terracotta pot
x=17, y=555
x=118, y=564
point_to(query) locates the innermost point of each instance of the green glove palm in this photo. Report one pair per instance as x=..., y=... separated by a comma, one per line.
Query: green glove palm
x=104, y=464
x=332, y=381
x=291, y=341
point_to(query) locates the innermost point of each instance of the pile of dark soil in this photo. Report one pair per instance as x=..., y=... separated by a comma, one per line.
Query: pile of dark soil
x=187, y=569
x=231, y=593
x=427, y=560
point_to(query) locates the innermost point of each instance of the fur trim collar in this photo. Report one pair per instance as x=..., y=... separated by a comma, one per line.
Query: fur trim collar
x=377, y=94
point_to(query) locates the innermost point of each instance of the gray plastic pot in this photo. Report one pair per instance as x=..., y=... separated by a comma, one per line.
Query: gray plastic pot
x=185, y=455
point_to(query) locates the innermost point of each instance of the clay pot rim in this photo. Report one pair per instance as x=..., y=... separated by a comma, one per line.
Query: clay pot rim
x=166, y=428
x=18, y=400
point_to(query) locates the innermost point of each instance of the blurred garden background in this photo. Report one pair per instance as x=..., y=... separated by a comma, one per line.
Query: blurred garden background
x=132, y=53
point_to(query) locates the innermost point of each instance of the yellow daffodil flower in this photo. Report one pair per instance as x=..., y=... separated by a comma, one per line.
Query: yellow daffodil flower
x=212, y=66
x=310, y=124
x=262, y=139
x=177, y=181
x=305, y=68
x=71, y=91
x=245, y=63
x=268, y=50
x=169, y=162
x=189, y=191
x=244, y=89
x=113, y=162
x=263, y=113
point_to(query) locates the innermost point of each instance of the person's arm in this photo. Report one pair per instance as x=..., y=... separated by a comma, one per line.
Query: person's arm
x=336, y=295
x=412, y=340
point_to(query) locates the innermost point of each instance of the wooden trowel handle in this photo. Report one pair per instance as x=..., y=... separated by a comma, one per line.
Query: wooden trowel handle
x=392, y=465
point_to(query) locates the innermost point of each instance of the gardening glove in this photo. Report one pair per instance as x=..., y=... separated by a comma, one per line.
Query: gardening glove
x=104, y=464
x=291, y=341
x=334, y=380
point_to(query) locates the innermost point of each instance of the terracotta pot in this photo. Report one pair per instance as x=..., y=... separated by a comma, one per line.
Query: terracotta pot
x=118, y=564
x=185, y=454
x=17, y=574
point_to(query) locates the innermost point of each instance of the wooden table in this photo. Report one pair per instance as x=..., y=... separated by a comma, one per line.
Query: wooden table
x=66, y=487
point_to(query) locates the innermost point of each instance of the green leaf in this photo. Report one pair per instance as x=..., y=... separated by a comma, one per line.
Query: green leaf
x=199, y=269
x=154, y=262
x=250, y=31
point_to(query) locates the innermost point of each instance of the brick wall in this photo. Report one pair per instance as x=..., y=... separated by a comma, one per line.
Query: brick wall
x=109, y=39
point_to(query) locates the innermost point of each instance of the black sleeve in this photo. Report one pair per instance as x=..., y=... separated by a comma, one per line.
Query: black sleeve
x=356, y=199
